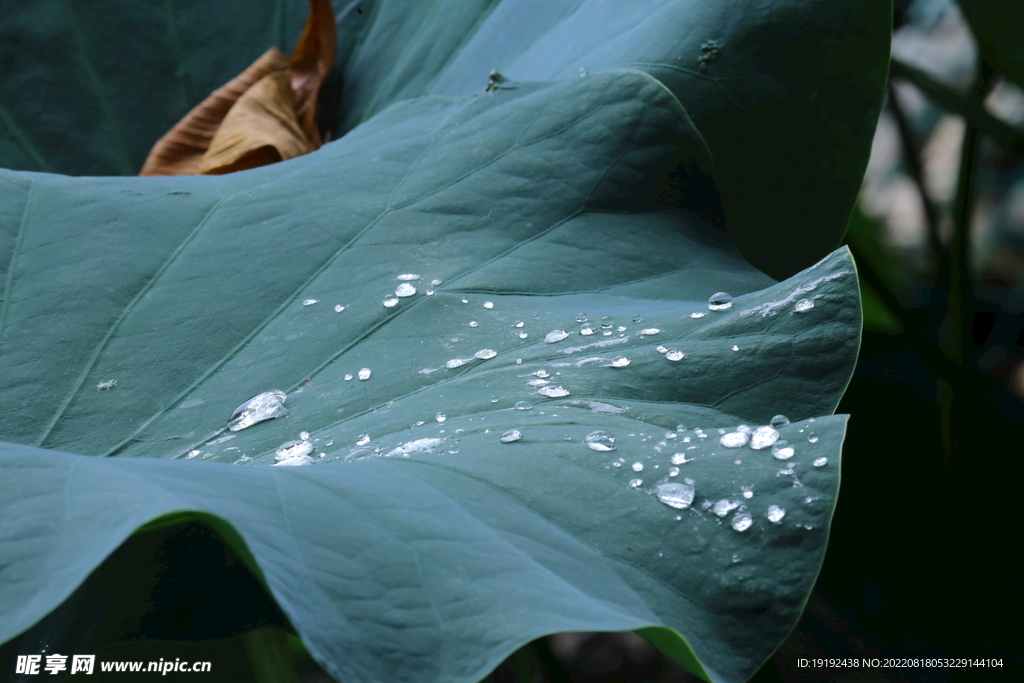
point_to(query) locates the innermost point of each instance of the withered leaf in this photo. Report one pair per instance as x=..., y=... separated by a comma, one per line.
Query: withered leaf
x=264, y=115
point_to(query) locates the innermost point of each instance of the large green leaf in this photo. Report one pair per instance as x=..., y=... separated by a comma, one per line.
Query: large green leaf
x=996, y=26
x=435, y=560
x=786, y=92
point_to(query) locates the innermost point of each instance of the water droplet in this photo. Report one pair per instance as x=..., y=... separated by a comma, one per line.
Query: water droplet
x=803, y=305
x=775, y=514
x=586, y=330
x=523, y=335
x=485, y=354
x=363, y=439
x=429, y=292
x=538, y=382
x=440, y=417
x=554, y=336
x=745, y=429
x=812, y=437
x=106, y=385
x=673, y=471
x=390, y=302
x=748, y=492
x=742, y=521
x=678, y=496
x=698, y=314
x=304, y=436
x=494, y=399
x=719, y=301
x=820, y=462
x=348, y=377
x=518, y=323
x=488, y=304
x=607, y=321
x=405, y=289
x=310, y=302
x=601, y=440
x=455, y=363
x=619, y=362
x=763, y=437
x=637, y=318
x=724, y=507
x=408, y=277
x=670, y=435
x=735, y=348
x=339, y=308
x=265, y=406
x=192, y=454
x=779, y=421
x=581, y=317
x=474, y=323
x=523, y=405
x=675, y=354
x=519, y=361
x=647, y=331
x=635, y=483
x=621, y=328
x=543, y=374
x=782, y=450
x=699, y=433
x=637, y=467
x=553, y=392
x=297, y=461
x=510, y=435
x=293, y=449
x=364, y=374
x=465, y=300
x=436, y=283
x=735, y=440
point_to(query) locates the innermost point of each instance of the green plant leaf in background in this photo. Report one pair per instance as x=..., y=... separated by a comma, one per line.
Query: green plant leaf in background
x=786, y=93
x=996, y=27
x=421, y=545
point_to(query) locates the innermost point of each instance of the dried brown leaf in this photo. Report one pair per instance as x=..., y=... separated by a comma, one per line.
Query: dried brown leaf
x=181, y=149
x=264, y=115
x=261, y=128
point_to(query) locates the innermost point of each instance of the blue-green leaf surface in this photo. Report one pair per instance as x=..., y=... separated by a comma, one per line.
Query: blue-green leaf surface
x=786, y=92
x=436, y=559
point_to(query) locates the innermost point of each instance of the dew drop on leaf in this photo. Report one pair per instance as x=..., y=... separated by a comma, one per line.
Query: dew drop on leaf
x=678, y=496
x=364, y=374
x=735, y=439
x=106, y=385
x=803, y=305
x=600, y=440
x=637, y=467
x=820, y=462
x=724, y=507
x=485, y=354
x=405, y=289
x=538, y=383
x=293, y=449
x=510, y=435
x=678, y=459
x=553, y=392
x=408, y=277
x=719, y=301
x=454, y=363
x=553, y=336
x=782, y=450
x=647, y=331
x=675, y=354
x=775, y=514
x=763, y=437
x=488, y=304
x=637, y=318
x=581, y=317
x=390, y=302
x=586, y=330
x=265, y=406
x=523, y=405
x=310, y=302
x=440, y=417
x=635, y=483
x=543, y=374
x=779, y=421
x=812, y=437
x=339, y=308
x=742, y=521
x=698, y=314
x=363, y=439
x=619, y=362
x=607, y=321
